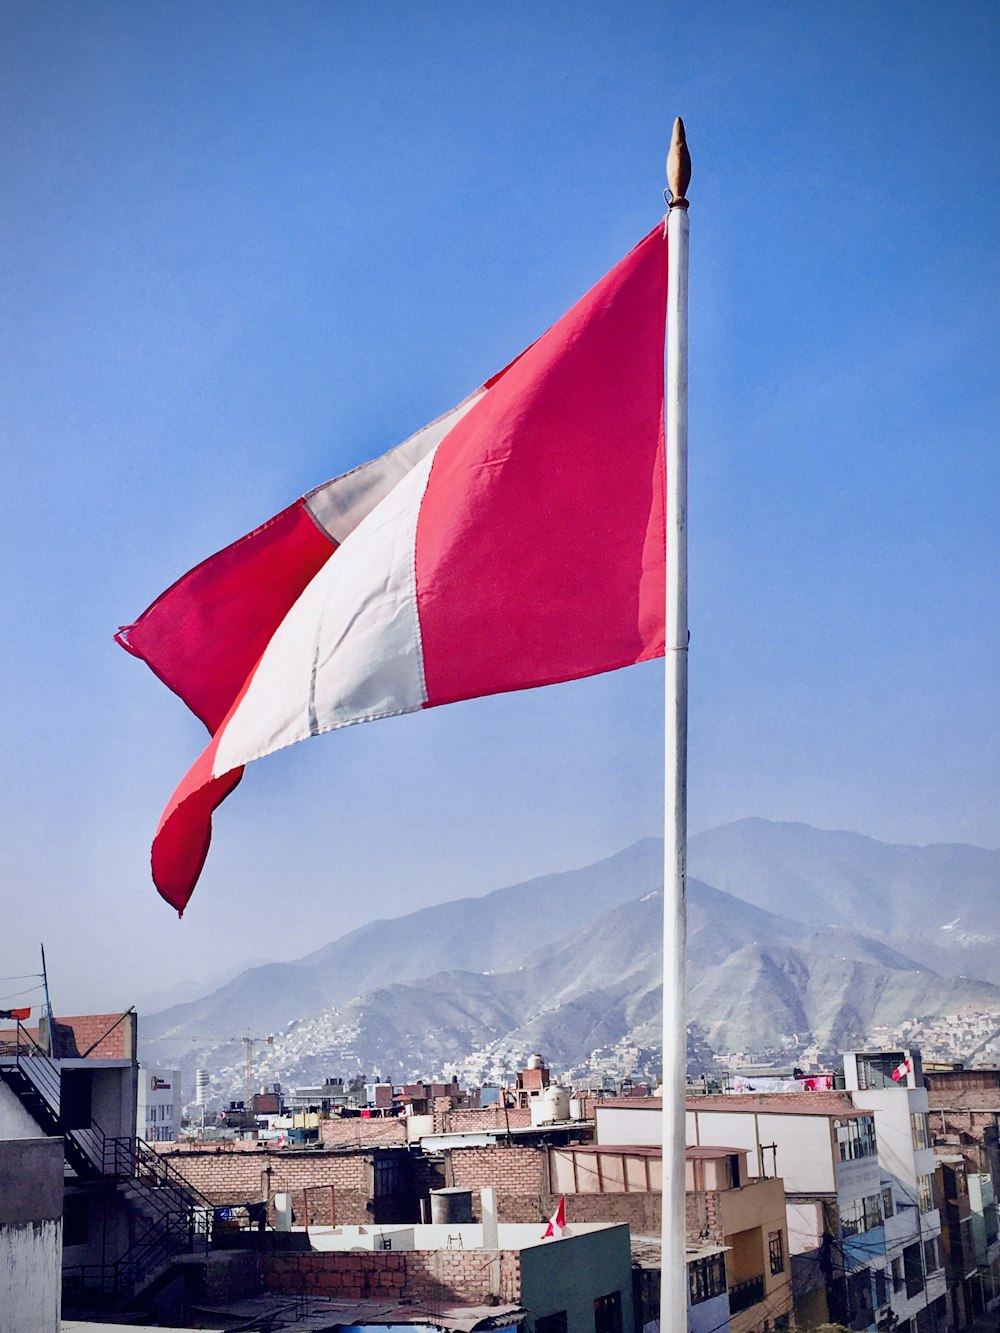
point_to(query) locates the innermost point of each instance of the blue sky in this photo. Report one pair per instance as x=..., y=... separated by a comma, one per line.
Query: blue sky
x=246, y=246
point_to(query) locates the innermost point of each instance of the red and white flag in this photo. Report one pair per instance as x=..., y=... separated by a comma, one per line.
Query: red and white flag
x=901, y=1070
x=557, y=1222
x=517, y=541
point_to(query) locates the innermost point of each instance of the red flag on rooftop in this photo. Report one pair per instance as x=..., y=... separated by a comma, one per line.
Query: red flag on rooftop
x=557, y=1222
x=517, y=541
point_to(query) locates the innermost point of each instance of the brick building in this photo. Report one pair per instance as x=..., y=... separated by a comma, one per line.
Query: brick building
x=327, y=1185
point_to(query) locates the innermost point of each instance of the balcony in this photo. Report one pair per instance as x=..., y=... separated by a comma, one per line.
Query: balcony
x=746, y=1293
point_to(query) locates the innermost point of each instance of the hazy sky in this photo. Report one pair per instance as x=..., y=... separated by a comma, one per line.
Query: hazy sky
x=247, y=246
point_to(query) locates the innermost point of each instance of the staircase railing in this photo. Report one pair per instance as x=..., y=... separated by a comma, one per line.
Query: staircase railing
x=38, y=1067
x=183, y=1216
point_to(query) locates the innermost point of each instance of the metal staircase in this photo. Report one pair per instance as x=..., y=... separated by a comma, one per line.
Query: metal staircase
x=175, y=1217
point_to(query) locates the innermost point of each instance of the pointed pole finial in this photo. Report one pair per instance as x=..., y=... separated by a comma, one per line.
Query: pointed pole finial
x=678, y=166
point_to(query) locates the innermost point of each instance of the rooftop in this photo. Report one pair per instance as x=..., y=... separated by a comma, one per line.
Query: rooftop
x=698, y=1153
x=402, y=1237
x=318, y=1314
x=836, y=1104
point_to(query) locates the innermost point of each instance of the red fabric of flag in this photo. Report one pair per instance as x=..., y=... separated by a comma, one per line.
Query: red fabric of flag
x=517, y=541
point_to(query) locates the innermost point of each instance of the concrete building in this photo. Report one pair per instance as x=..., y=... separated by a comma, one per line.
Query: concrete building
x=125, y=1218
x=890, y=1084
x=746, y=1217
x=735, y=1219
x=31, y=1208
x=824, y=1149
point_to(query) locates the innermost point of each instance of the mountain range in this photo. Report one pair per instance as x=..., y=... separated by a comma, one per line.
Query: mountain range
x=795, y=936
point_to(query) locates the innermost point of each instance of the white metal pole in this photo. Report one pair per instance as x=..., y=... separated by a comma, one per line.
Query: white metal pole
x=673, y=1286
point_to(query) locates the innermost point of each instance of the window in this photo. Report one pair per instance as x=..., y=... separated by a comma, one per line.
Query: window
x=386, y=1177
x=861, y=1215
x=881, y=1287
x=888, y=1208
x=897, y=1275
x=931, y=1255
x=552, y=1323
x=925, y=1193
x=776, y=1251
x=855, y=1137
x=913, y=1271
x=875, y=1071
x=608, y=1313
x=707, y=1278
x=920, y=1129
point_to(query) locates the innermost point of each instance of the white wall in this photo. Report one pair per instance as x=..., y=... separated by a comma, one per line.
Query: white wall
x=629, y=1125
x=31, y=1193
x=15, y=1122
x=805, y=1153
x=158, y=1104
x=31, y=1278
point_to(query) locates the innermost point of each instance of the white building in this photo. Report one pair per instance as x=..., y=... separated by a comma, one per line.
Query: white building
x=824, y=1148
x=906, y=1159
x=158, y=1104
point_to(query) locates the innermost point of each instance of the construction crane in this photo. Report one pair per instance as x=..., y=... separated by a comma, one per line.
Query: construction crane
x=248, y=1045
x=248, y=1042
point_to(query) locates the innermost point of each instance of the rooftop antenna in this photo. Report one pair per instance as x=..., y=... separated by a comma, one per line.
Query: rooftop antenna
x=47, y=1015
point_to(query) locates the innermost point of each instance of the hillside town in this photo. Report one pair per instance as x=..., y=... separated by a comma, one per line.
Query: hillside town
x=860, y=1196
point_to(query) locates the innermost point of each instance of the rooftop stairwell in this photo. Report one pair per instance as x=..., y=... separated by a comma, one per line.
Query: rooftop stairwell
x=172, y=1217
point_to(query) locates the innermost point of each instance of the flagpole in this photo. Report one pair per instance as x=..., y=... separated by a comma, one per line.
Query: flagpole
x=673, y=1282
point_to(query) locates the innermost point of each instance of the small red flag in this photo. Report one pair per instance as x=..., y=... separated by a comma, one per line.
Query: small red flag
x=557, y=1222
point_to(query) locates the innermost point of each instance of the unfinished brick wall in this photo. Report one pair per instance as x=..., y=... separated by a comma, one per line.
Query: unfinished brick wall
x=470, y=1120
x=702, y=1216
x=72, y=1037
x=258, y=1174
x=420, y=1275
x=517, y=1173
x=643, y=1212
x=973, y=1133
x=361, y=1133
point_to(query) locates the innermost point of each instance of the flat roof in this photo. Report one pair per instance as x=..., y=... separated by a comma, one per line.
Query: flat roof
x=617, y=1149
x=320, y=1313
x=831, y=1104
x=698, y=1153
x=647, y=1252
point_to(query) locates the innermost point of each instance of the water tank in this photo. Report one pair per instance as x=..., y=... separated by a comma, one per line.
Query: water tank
x=535, y=1062
x=576, y=1108
x=201, y=1086
x=551, y=1106
x=451, y=1206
